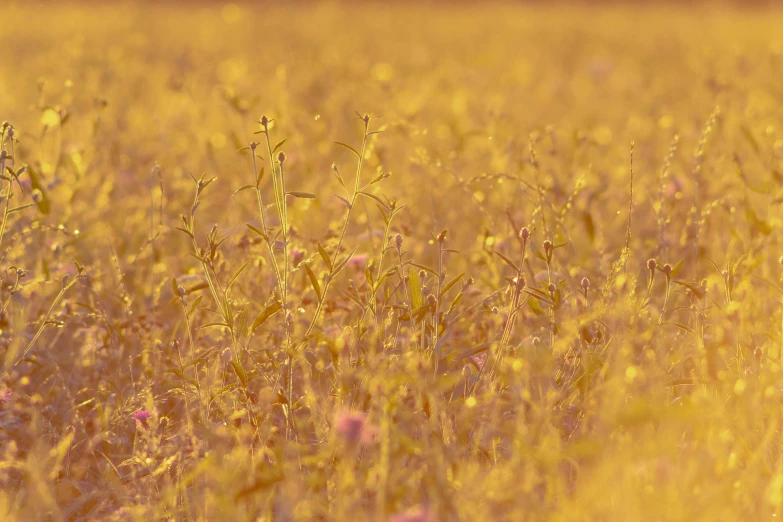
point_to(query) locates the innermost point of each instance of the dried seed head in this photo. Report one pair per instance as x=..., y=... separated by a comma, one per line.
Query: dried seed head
x=667, y=269
x=442, y=236
x=524, y=233
x=547, y=245
x=366, y=119
x=398, y=241
x=521, y=282
x=431, y=300
x=585, y=283
x=281, y=157
x=264, y=121
x=253, y=145
x=552, y=288
x=651, y=264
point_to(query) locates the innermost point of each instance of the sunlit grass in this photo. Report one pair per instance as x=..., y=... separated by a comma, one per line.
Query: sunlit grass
x=408, y=263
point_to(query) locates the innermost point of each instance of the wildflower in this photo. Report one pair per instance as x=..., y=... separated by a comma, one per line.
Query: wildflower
x=353, y=428
x=651, y=264
x=358, y=262
x=416, y=514
x=5, y=395
x=667, y=269
x=524, y=233
x=478, y=360
x=398, y=241
x=142, y=417
x=281, y=157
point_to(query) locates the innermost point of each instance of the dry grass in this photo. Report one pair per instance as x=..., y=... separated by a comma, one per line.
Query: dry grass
x=175, y=348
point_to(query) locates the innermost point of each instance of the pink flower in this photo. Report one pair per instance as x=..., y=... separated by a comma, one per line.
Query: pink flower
x=5, y=395
x=358, y=262
x=352, y=427
x=417, y=514
x=478, y=359
x=142, y=417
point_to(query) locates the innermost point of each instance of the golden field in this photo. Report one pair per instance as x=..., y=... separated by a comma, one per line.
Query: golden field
x=352, y=261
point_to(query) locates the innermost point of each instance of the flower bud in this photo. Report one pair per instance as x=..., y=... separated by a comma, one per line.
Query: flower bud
x=524, y=233
x=651, y=264
x=585, y=283
x=398, y=241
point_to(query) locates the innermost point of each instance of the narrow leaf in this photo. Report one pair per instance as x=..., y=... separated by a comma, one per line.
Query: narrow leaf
x=313, y=281
x=417, y=299
x=348, y=147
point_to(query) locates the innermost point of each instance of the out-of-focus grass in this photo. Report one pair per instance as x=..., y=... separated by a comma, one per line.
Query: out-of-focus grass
x=422, y=380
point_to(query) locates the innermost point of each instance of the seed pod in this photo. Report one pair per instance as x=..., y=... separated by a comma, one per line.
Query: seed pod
x=651, y=264
x=281, y=157
x=524, y=233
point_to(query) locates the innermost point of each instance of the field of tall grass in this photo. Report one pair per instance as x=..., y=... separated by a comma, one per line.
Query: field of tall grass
x=390, y=263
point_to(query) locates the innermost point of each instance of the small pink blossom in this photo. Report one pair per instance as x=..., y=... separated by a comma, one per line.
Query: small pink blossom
x=6, y=395
x=478, y=359
x=417, y=514
x=142, y=417
x=352, y=427
x=358, y=262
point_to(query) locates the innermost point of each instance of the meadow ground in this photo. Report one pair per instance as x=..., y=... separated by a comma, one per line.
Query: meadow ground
x=538, y=277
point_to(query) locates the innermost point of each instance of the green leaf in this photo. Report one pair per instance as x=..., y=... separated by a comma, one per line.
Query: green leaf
x=342, y=263
x=240, y=371
x=194, y=305
x=532, y=302
x=303, y=195
x=507, y=260
x=448, y=286
x=265, y=314
x=676, y=269
x=693, y=287
x=347, y=203
x=348, y=147
x=537, y=251
x=325, y=256
x=20, y=208
x=417, y=298
x=313, y=281
x=185, y=231
x=240, y=189
x=280, y=144
x=235, y=276
x=256, y=230
x=378, y=200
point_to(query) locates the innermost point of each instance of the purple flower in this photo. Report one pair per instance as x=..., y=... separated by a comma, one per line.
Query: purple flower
x=417, y=514
x=352, y=427
x=5, y=395
x=142, y=416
